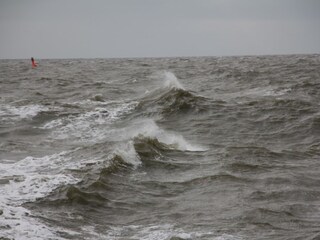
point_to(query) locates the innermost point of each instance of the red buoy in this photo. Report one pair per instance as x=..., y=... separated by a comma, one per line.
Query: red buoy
x=34, y=64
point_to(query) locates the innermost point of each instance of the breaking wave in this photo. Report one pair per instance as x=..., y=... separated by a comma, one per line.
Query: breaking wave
x=171, y=98
x=148, y=129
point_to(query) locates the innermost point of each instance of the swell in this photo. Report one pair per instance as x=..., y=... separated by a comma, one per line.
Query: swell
x=290, y=121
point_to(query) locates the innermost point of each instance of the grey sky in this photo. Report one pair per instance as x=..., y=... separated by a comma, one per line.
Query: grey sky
x=157, y=28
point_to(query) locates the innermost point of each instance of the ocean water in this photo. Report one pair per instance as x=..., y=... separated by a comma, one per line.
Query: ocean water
x=222, y=148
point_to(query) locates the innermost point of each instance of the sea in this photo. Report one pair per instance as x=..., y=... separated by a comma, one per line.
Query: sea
x=219, y=148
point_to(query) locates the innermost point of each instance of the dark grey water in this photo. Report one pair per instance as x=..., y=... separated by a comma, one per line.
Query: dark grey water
x=181, y=148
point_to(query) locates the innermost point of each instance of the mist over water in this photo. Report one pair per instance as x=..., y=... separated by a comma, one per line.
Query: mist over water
x=169, y=148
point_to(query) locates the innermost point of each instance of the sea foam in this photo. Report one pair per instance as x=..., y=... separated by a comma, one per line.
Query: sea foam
x=85, y=126
x=9, y=112
x=27, y=180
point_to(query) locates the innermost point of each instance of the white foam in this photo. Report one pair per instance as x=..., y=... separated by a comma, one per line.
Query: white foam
x=29, y=179
x=128, y=153
x=276, y=92
x=148, y=128
x=153, y=232
x=8, y=112
x=227, y=237
x=86, y=126
x=165, y=79
x=16, y=223
x=171, y=81
x=52, y=124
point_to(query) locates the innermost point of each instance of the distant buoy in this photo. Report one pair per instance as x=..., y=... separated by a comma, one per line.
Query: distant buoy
x=34, y=64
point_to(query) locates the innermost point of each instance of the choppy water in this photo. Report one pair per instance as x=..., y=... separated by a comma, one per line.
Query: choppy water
x=181, y=148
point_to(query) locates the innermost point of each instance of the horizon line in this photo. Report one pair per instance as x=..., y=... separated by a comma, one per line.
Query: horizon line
x=159, y=57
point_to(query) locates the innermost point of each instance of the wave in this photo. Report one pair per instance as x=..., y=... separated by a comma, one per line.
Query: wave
x=76, y=195
x=181, y=101
x=171, y=98
x=269, y=218
x=96, y=182
x=288, y=218
x=143, y=139
x=125, y=148
x=116, y=164
x=58, y=178
x=220, y=177
x=148, y=129
x=285, y=195
x=243, y=167
x=291, y=104
x=126, y=152
x=150, y=148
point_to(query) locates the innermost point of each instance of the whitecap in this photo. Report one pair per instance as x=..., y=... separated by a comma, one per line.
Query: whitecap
x=148, y=128
x=9, y=112
x=163, y=80
x=171, y=81
x=85, y=126
x=128, y=153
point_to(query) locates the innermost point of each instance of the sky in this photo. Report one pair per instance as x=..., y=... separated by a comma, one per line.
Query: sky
x=157, y=28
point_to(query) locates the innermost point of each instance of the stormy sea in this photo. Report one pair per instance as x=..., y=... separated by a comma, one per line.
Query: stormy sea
x=222, y=148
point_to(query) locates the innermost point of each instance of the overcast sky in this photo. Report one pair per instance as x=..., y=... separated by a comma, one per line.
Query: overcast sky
x=157, y=28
